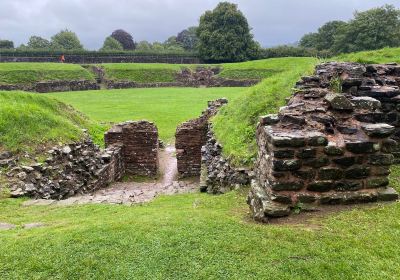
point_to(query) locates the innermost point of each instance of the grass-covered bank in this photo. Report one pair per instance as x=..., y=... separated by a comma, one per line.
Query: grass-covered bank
x=167, y=107
x=197, y=236
x=29, y=73
x=31, y=122
x=235, y=124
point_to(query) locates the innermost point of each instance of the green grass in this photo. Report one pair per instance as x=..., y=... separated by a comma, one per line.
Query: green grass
x=258, y=69
x=196, y=236
x=379, y=56
x=235, y=125
x=28, y=73
x=30, y=122
x=167, y=107
x=142, y=72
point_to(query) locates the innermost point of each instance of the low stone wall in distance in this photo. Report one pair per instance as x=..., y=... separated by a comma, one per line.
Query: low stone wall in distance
x=139, y=142
x=327, y=147
x=83, y=59
x=55, y=86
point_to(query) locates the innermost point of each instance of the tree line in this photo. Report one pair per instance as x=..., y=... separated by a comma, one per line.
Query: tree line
x=224, y=35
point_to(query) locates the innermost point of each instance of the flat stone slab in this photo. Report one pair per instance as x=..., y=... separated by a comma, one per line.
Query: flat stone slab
x=33, y=225
x=6, y=226
x=130, y=193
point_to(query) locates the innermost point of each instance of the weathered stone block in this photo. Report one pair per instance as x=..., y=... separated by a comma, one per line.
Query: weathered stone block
x=357, y=172
x=286, y=165
x=269, y=119
x=343, y=186
x=317, y=162
x=330, y=173
x=321, y=186
x=307, y=153
x=366, y=103
x=333, y=150
x=361, y=147
x=338, y=102
x=287, y=186
x=305, y=174
x=377, y=182
x=288, y=141
x=388, y=194
x=379, y=130
x=382, y=159
x=284, y=153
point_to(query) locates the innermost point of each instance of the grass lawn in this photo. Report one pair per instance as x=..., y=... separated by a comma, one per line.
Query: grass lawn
x=197, y=236
x=167, y=107
x=142, y=72
x=28, y=73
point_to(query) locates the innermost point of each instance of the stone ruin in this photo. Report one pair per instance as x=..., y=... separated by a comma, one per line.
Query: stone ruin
x=333, y=143
x=190, y=137
x=79, y=168
x=139, y=141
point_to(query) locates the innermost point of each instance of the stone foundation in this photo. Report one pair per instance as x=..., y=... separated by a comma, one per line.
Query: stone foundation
x=190, y=137
x=217, y=174
x=69, y=170
x=139, y=142
x=326, y=147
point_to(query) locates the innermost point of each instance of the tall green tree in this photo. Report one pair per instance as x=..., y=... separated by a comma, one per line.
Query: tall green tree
x=6, y=44
x=110, y=44
x=188, y=38
x=36, y=42
x=373, y=29
x=224, y=35
x=327, y=34
x=309, y=40
x=66, y=40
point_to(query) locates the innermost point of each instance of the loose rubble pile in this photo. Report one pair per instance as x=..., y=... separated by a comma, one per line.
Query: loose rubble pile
x=69, y=170
x=190, y=137
x=328, y=147
x=139, y=142
x=217, y=174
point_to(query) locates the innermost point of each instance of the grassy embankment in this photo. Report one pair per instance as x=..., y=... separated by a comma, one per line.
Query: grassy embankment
x=29, y=73
x=31, y=122
x=235, y=124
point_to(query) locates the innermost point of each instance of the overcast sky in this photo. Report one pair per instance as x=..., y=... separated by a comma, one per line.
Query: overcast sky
x=273, y=21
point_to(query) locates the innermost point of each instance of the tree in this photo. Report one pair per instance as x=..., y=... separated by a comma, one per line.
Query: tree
x=124, y=38
x=36, y=42
x=188, y=38
x=110, y=44
x=66, y=40
x=224, y=35
x=172, y=45
x=144, y=46
x=373, y=29
x=309, y=40
x=6, y=44
x=327, y=33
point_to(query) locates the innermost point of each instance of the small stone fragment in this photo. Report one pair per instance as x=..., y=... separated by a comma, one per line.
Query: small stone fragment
x=366, y=103
x=388, y=194
x=379, y=130
x=269, y=119
x=338, y=102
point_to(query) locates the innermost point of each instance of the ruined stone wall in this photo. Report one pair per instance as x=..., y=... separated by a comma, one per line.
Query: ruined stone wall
x=83, y=59
x=69, y=170
x=139, y=141
x=189, y=139
x=54, y=86
x=326, y=147
x=217, y=174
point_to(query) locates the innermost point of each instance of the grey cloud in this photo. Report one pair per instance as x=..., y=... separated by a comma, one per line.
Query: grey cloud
x=273, y=21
